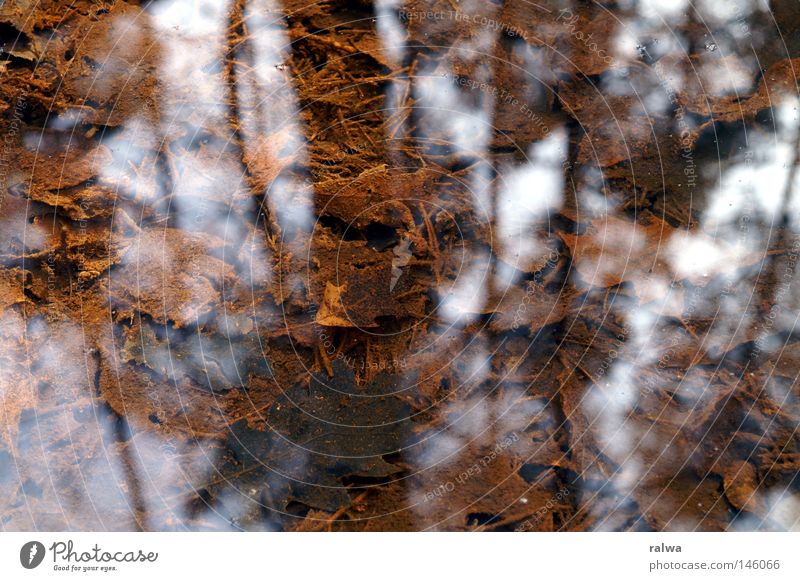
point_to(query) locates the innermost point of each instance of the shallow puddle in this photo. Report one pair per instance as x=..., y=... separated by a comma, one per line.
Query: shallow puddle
x=443, y=265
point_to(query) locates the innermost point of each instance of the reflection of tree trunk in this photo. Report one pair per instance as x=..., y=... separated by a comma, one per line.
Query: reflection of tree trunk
x=787, y=191
x=237, y=50
x=117, y=433
x=119, y=436
x=778, y=248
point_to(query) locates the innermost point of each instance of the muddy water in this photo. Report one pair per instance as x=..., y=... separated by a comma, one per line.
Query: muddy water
x=452, y=265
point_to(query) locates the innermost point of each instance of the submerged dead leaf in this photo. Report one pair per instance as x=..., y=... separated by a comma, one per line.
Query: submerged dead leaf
x=778, y=83
x=741, y=487
x=171, y=276
x=614, y=250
